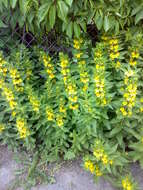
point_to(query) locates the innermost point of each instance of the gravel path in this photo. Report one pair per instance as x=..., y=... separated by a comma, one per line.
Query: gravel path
x=71, y=176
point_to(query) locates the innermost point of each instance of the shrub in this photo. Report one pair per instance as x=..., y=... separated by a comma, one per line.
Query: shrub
x=70, y=16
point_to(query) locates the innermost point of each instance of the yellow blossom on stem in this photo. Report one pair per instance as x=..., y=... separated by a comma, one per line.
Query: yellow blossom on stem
x=16, y=79
x=2, y=127
x=59, y=120
x=50, y=113
x=48, y=66
x=89, y=166
x=126, y=184
x=22, y=128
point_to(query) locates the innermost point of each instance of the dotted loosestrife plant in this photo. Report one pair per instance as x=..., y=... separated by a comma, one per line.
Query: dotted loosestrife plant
x=90, y=102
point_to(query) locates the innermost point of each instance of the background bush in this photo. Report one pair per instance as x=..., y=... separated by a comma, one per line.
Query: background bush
x=71, y=16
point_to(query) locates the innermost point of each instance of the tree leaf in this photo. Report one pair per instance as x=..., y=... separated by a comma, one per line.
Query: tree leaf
x=139, y=16
x=83, y=26
x=13, y=3
x=62, y=10
x=98, y=19
x=52, y=16
x=69, y=2
x=136, y=10
x=76, y=30
x=69, y=30
x=2, y=25
x=106, y=23
x=43, y=11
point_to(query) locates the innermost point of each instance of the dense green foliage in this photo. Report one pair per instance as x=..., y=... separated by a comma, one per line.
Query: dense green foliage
x=71, y=16
x=88, y=103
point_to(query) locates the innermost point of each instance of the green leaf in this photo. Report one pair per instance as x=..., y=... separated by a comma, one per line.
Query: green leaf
x=62, y=10
x=13, y=3
x=115, y=131
x=69, y=2
x=106, y=23
x=69, y=30
x=98, y=19
x=52, y=16
x=136, y=10
x=83, y=26
x=23, y=6
x=43, y=11
x=139, y=16
x=2, y=25
x=69, y=155
x=76, y=30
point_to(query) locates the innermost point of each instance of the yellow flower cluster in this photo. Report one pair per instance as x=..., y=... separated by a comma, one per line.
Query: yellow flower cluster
x=98, y=172
x=126, y=184
x=59, y=120
x=100, y=89
x=16, y=79
x=99, y=78
x=114, y=49
x=72, y=96
x=114, y=52
x=70, y=88
x=100, y=155
x=77, y=43
x=3, y=69
x=34, y=102
x=1, y=127
x=84, y=78
x=133, y=58
x=48, y=65
x=62, y=108
x=64, y=63
x=129, y=95
x=50, y=113
x=22, y=128
x=141, y=108
x=9, y=97
x=90, y=166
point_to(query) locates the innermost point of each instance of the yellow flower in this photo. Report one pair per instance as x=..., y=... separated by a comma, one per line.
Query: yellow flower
x=122, y=109
x=98, y=172
x=105, y=159
x=111, y=162
x=81, y=62
x=50, y=113
x=118, y=64
x=59, y=120
x=1, y=127
x=98, y=153
x=62, y=109
x=78, y=55
x=132, y=62
x=34, y=102
x=89, y=166
x=141, y=109
x=113, y=41
x=77, y=43
x=22, y=128
x=73, y=107
x=104, y=101
x=134, y=54
x=126, y=184
x=13, y=113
